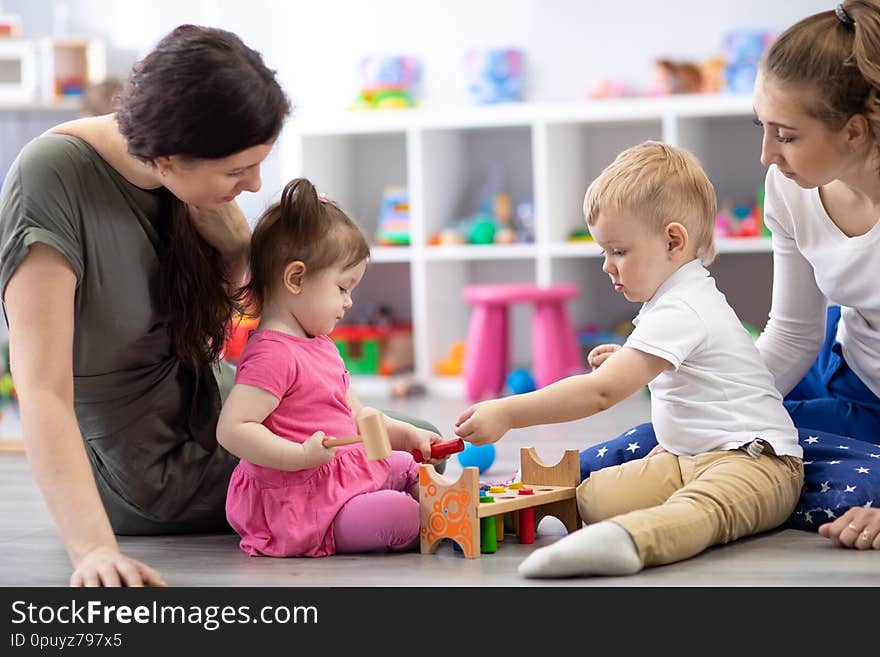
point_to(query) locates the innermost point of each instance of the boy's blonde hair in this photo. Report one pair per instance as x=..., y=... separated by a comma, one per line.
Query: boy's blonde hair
x=659, y=184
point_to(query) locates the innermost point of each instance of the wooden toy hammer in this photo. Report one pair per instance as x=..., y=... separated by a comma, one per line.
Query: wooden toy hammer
x=372, y=433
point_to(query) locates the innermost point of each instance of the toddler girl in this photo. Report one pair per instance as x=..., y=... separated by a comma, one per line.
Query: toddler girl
x=290, y=495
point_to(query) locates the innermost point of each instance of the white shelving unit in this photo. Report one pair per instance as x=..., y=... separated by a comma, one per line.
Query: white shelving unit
x=550, y=153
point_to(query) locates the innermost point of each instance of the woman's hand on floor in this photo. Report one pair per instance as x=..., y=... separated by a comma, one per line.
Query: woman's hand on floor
x=858, y=528
x=109, y=567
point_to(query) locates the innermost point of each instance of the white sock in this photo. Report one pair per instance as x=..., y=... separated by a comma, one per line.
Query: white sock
x=604, y=548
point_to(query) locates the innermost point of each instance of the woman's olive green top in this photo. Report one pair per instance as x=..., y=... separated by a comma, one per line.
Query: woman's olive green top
x=148, y=422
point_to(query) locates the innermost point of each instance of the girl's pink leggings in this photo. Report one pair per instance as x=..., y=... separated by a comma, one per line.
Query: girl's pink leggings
x=386, y=519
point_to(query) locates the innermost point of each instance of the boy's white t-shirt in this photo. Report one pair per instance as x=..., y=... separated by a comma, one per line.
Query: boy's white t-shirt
x=717, y=394
x=813, y=260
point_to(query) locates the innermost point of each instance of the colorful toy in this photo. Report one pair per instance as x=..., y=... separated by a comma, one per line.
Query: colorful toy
x=675, y=78
x=742, y=52
x=441, y=450
x=606, y=89
x=554, y=344
x=388, y=82
x=396, y=349
x=480, y=457
x=384, y=349
x=494, y=75
x=741, y=219
x=579, y=235
x=7, y=386
x=452, y=364
x=393, y=222
x=239, y=329
x=520, y=381
x=359, y=348
x=456, y=509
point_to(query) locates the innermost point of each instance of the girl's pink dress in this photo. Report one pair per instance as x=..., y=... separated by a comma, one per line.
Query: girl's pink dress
x=285, y=514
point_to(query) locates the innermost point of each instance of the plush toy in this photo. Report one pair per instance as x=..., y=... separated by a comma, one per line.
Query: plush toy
x=495, y=75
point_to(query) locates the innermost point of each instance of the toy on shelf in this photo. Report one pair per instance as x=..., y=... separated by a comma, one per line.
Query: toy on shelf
x=742, y=53
x=393, y=221
x=10, y=25
x=688, y=77
x=375, y=350
x=676, y=78
x=359, y=347
x=579, y=235
x=712, y=75
x=607, y=89
x=494, y=75
x=397, y=350
x=488, y=216
x=741, y=219
x=452, y=364
x=380, y=344
x=7, y=387
x=525, y=222
x=475, y=522
x=388, y=82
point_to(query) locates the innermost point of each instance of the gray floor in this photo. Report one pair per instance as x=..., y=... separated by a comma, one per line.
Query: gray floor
x=33, y=554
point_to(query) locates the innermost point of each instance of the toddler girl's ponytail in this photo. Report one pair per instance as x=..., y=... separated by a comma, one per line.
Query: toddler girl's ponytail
x=301, y=212
x=303, y=225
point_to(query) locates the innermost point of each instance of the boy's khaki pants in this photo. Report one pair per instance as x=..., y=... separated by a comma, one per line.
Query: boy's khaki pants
x=674, y=507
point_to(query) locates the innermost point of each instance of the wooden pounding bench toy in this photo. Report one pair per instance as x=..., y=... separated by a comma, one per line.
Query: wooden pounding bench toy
x=456, y=510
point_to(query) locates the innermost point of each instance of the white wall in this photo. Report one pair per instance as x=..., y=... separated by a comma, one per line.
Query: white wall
x=569, y=44
x=315, y=46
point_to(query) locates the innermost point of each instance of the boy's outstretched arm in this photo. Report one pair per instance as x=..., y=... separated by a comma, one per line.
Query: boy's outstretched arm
x=572, y=398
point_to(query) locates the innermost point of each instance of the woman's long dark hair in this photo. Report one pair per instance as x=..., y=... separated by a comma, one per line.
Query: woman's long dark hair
x=201, y=93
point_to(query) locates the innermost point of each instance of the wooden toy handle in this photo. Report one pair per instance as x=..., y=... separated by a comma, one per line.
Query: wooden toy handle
x=439, y=450
x=338, y=442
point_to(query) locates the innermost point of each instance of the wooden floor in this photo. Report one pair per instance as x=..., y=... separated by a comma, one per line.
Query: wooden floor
x=32, y=554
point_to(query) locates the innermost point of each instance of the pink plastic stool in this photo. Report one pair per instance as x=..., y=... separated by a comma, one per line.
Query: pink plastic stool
x=555, y=350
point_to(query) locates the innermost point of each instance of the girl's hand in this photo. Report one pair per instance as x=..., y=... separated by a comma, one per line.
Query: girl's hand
x=109, y=567
x=484, y=423
x=600, y=354
x=314, y=452
x=422, y=439
x=225, y=228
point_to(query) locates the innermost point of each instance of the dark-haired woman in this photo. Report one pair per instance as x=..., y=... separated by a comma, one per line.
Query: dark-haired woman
x=120, y=243
x=120, y=240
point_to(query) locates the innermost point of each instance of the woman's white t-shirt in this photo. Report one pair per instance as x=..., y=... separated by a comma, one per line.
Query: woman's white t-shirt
x=815, y=263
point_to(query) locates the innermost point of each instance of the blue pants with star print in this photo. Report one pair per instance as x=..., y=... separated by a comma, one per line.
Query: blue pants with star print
x=840, y=471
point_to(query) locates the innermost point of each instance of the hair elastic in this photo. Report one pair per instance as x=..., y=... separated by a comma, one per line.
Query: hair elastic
x=843, y=17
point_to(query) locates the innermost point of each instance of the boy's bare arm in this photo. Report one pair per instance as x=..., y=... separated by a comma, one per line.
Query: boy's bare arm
x=625, y=372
